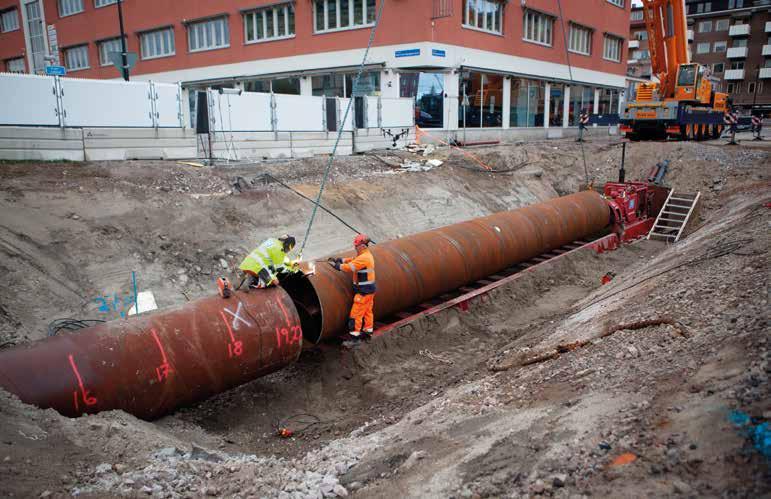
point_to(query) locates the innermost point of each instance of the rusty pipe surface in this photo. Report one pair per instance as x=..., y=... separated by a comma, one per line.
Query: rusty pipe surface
x=151, y=364
x=419, y=267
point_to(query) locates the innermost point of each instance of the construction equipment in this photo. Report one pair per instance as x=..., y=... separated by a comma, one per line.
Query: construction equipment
x=683, y=104
x=673, y=218
x=224, y=287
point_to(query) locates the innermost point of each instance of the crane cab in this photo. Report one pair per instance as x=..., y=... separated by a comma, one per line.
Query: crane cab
x=692, y=84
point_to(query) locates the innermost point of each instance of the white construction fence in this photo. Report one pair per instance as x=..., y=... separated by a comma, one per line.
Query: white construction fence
x=55, y=118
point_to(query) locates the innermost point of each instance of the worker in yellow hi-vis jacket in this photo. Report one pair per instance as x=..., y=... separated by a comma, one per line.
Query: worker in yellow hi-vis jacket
x=263, y=265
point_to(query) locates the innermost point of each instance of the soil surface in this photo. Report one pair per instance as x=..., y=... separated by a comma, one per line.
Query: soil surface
x=553, y=384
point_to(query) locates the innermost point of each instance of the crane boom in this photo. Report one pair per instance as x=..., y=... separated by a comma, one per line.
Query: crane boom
x=667, y=28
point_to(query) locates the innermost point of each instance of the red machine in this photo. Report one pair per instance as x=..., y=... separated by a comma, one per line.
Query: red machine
x=634, y=206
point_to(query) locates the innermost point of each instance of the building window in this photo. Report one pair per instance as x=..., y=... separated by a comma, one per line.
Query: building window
x=369, y=84
x=428, y=91
x=751, y=87
x=331, y=15
x=641, y=54
x=526, y=103
x=104, y=3
x=580, y=39
x=9, y=20
x=737, y=65
x=581, y=101
x=734, y=88
x=209, y=34
x=270, y=23
x=157, y=43
x=705, y=26
x=107, y=46
x=718, y=68
x=483, y=14
x=619, y=3
x=556, y=104
x=36, y=35
x=289, y=86
x=329, y=85
x=341, y=84
x=608, y=103
x=720, y=46
x=641, y=35
x=76, y=57
x=722, y=25
x=15, y=65
x=637, y=15
x=611, y=49
x=70, y=7
x=481, y=100
x=739, y=42
x=702, y=48
x=735, y=4
x=538, y=27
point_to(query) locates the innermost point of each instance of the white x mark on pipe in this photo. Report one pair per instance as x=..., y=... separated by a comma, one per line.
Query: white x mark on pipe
x=237, y=316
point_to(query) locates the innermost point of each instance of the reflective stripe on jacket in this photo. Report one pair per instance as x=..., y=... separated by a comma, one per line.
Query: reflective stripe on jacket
x=363, y=269
x=269, y=256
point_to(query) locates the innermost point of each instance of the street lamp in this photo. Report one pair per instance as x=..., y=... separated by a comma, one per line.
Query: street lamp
x=124, y=59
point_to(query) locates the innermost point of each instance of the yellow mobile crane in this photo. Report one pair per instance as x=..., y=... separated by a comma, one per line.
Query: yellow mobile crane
x=683, y=103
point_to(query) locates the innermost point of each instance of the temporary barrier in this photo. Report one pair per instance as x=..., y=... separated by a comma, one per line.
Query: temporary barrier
x=30, y=100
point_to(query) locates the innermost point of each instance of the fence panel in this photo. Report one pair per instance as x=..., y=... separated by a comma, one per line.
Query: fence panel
x=167, y=105
x=342, y=105
x=300, y=113
x=398, y=112
x=372, y=112
x=29, y=100
x=99, y=103
x=248, y=112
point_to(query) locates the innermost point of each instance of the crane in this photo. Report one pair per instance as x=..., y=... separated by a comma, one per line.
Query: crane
x=683, y=103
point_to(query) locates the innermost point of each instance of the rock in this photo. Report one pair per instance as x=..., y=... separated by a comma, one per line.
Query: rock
x=103, y=468
x=537, y=487
x=211, y=491
x=76, y=217
x=147, y=490
x=46, y=493
x=680, y=487
x=223, y=263
x=168, y=452
x=204, y=455
x=632, y=351
x=354, y=485
x=412, y=459
x=128, y=482
x=560, y=480
x=7, y=459
x=340, y=491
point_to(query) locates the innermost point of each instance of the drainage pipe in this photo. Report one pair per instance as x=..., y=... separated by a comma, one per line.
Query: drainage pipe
x=152, y=364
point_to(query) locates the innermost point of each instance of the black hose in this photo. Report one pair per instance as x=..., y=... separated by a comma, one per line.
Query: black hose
x=67, y=324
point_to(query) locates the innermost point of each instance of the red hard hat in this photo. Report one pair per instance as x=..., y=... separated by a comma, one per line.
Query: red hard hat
x=361, y=239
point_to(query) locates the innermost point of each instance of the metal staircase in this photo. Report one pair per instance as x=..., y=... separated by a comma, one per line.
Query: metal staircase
x=674, y=216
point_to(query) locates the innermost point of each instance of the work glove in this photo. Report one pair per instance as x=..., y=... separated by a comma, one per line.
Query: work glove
x=274, y=282
x=335, y=262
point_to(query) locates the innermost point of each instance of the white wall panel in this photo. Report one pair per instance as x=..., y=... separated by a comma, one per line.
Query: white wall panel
x=299, y=113
x=342, y=105
x=398, y=112
x=27, y=100
x=167, y=104
x=99, y=103
x=248, y=112
x=372, y=112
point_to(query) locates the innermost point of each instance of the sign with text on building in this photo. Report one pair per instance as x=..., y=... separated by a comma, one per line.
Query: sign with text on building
x=438, y=53
x=55, y=70
x=53, y=45
x=407, y=53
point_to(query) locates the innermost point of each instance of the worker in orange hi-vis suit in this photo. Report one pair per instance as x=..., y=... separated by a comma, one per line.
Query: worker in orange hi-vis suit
x=361, y=319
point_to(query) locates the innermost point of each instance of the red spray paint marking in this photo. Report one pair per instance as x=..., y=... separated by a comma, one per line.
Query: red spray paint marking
x=286, y=315
x=87, y=399
x=235, y=348
x=164, y=370
x=284, y=331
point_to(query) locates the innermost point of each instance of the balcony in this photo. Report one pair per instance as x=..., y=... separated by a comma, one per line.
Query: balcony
x=765, y=73
x=737, y=53
x=734, y=74
x=739, y=30
x=767, y=50
x=634, y=44
x=768, y=26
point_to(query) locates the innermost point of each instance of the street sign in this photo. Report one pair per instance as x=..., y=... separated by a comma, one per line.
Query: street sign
x=55, y=71
x=117, y=60
x=53, y=44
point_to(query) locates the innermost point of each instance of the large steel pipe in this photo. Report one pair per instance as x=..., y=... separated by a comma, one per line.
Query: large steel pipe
x=417, y=268
x=152, y=364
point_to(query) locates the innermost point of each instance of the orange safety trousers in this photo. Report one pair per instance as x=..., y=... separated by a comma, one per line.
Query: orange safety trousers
x=361, y=311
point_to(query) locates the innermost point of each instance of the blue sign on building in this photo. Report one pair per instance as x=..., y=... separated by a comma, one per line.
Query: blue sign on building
x=438, y=53
x=407, y=53
x=55, y=70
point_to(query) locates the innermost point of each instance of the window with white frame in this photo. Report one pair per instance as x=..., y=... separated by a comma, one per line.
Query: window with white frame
x=104, y=3
x=269, y=23
x=15, y=65
x=70, y=7
x=703, y=48
x=637, y=15
x=332, y=15
x=720, y=46
x=107, y=46
x=751, y=87
x=722, y=25
x=486, y=15
x=537, y=27
x=705, y=26
x=208, y=34
x=157, y=43
x=735, y=4
x=580, y=39
x=619, y=3
x=76, y=57
x=9, y=20
x=611, y=48
x=737, y=65
x=718, y=68
x=641, y=35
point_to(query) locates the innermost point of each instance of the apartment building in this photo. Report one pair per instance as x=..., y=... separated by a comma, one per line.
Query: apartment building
x=468, y=63
x=730, y=37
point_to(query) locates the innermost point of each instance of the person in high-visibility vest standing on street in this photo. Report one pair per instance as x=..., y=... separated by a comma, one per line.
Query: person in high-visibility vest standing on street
x=361, y=319
x=263, y=265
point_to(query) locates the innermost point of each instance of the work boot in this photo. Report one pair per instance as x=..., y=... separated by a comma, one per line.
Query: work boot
x=367, y=333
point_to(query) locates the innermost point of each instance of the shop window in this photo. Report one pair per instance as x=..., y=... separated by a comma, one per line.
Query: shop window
x=369, y=84
x=428, y=91
x=581, y=101
x=608, y=103
x=481, y=101
x=330, y=85
x=556, y=104
x=527, y=102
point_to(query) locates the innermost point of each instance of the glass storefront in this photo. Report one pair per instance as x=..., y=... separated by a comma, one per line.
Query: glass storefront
x=526, y=103
x=428, y=91
x=556, y=104
x=480, y=100
x=341, y=84
x=581, y=101
x=279, y=86
x=369, y=84
x=331, y=85
x=608, y=101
